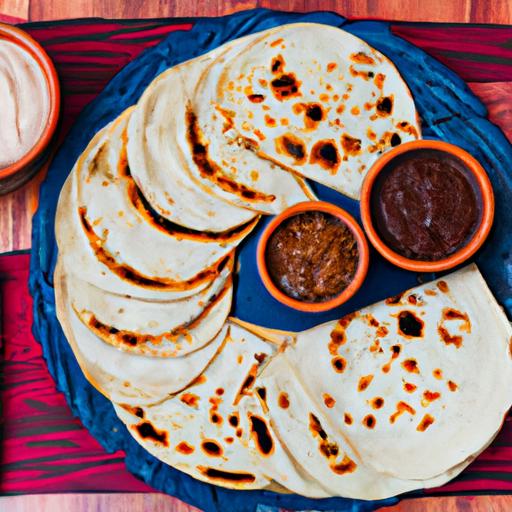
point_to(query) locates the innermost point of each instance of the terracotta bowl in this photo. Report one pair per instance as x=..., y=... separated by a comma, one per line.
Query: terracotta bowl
x=349, y=291
x=20, y=172
x=486, y=203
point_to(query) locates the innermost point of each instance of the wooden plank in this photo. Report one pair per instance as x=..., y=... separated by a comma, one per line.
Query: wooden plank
x=160, y=503
x=17, y=9
x=475, y=11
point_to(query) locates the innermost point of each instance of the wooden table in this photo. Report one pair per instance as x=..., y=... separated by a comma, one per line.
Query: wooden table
x=16, y=209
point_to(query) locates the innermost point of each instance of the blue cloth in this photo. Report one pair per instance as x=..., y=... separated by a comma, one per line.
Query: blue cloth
x=449, y=111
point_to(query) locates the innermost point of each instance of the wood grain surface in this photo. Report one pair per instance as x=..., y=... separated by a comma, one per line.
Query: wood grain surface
x=17, y=208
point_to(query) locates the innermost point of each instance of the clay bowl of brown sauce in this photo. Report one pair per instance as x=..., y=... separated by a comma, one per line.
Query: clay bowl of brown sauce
x=313, y=256
x=427, y=206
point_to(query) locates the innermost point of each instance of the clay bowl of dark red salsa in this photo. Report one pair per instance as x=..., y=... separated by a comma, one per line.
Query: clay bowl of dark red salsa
x=313, y=256
x=427, y=205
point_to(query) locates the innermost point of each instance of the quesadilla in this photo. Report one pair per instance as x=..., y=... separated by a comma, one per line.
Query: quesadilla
x=122, y=376
x=416, y=384
x=309, y=98
x=167, y=149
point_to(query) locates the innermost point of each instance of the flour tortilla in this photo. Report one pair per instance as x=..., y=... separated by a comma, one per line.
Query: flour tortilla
x=161, y=158
x=455, y=383
x=316, y=66
x=334, y=464
x=115, y=210
x=121, y=376
x=78, y=257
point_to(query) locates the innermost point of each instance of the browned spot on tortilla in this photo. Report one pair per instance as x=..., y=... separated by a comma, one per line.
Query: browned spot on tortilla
x=290, y=145
x=325, y=154
x=256, y=98
x=201, y=379
x=136, y=411
x=412, y=299
x=211, y=171
x=338, y=336
x=329, y=401
x=215, y=417
x=401, y=407
x=229, y=440
x=447, y=338
x=372, y=321
x=219, y=391
x=438, y=373
x=410, y=325
x=128, y=273
x=96, y=161
x=339, y=364
x=409, y=387
x=443, y=286
x=285, y=86
x=283, y=400
x=431, y=293
x=395, y=300
x=395, y=352
x=277, y=64
x=452, y=386
x=245, y=388
x=261, y=434
x=406, y=127
x=369, y=421
x=429, y=396
x=120, y=338
x=375, y=346
x=425, y=423
x=220, y=475
x=410, y=365
x=364, y=382
x=270, y=121
x=260, y=357
x=184, y=448
x=366, y=75
x=259, y=134
x=377, y=402
x=347, y=465
x=355, y=111
x=276, y=42
x=239, y=432
x=351, y=146
x=347, y=418
x=328, y=449
x=164, y=225
x=234, y=419
x=324, y=97
x=228, y=116
x=382, y=331
x=263, y=82
x=313, y=115
x=454, y=314
x=331, y=66
x=379, y=80
x=361, y=58
x=340, y=109
x=384, y=106
x=212, y=448
x=147, y=431
x=190, y=399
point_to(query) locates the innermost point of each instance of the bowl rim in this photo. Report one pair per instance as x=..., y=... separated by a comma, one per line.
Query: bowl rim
x=459, y=256
x=362, y=246
x=27, y=43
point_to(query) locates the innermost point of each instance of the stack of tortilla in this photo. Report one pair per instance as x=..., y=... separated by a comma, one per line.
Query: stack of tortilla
x=147, y=226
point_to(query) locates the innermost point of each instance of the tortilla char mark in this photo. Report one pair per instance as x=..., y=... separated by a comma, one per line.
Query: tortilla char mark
x=454, y=314
x=212, y=448
x=261, y=434
x=126, y=338
x=339, y=364
x=285, y=85
x=283, y=400
x=136, y=411
x=411, y=365
x=369, y=421
x=325, y=154
x=426, y=421
x=330, y=450
x=395, y=352
x=220, y=475
x=211, y=171
x=190, y=399
x=401, y=408
x=384, y=106
x=410, y=325
x=395, y=300
x=338, y=334
x=163, y=224
x=290, y=145
x=364, y=382
x=351, y=145
x=146, y=430
x=184, y=448
x=128, y=273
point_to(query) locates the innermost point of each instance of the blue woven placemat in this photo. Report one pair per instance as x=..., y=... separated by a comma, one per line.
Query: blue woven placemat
x=449, y=111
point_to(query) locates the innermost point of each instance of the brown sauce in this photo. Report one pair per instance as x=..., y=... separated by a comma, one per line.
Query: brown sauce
x=312, y=257
x=426, y=205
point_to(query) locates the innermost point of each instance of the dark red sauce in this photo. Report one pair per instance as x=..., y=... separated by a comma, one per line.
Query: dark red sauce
x=426, y=205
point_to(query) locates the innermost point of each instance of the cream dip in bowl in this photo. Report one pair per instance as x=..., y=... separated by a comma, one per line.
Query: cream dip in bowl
x=29, y=109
